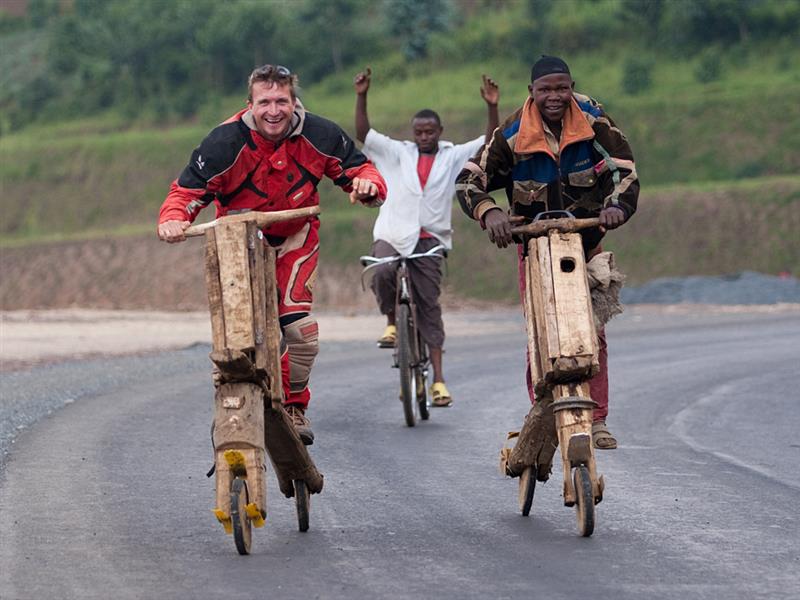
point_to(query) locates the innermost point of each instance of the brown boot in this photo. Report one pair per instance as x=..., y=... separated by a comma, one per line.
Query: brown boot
x=301, y=423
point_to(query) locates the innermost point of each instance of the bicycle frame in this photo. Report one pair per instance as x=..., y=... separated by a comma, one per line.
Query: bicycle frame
x=413, y=382
x=404, y=293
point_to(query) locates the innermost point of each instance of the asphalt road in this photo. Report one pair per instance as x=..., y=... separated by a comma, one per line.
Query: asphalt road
x=107, y=498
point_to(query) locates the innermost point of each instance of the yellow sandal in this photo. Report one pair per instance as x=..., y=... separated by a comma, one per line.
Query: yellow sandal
x=389, y=337
x=440, y=396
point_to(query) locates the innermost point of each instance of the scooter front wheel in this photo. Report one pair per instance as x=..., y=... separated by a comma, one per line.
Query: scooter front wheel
x=584, y=505
x=242, y=528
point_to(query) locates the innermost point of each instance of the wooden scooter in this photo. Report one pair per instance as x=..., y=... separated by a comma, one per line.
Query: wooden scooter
x=250, y=421
x=563, y=350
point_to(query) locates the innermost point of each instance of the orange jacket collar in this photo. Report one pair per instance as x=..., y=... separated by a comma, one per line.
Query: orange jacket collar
x=530, y=139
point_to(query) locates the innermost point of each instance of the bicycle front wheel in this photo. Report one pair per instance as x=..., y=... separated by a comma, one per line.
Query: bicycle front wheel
x=407, y=391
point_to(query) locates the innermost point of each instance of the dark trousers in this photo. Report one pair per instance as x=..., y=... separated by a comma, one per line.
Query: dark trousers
x=426, y=284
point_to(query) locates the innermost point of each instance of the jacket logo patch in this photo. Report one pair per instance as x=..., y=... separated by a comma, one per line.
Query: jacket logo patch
x=200, y=162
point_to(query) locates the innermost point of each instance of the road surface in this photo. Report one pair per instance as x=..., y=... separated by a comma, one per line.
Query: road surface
x=107, y=496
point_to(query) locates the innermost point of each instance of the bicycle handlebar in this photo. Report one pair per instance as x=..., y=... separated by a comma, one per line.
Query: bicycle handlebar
x=366, y=260
x=262, y=219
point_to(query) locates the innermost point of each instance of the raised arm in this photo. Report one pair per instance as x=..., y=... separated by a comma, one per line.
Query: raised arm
x=361, y=85
x=490, y=92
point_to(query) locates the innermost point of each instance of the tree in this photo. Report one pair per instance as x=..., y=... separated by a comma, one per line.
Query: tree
x=413, y=22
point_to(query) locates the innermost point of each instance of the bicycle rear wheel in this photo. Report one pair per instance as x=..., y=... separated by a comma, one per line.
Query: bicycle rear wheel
x=404, y=361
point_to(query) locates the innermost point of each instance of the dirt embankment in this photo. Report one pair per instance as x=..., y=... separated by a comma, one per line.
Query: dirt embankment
x=135, y=273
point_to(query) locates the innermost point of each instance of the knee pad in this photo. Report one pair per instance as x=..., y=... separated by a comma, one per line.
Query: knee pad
x=302, y=339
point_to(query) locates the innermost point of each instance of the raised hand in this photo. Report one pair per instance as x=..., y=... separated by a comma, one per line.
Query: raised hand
x=361, y=81
x=490, y=91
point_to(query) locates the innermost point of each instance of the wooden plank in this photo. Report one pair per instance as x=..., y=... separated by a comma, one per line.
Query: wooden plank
x=234, y=275
x=273, y=328
x=545, y=273
x=530, y=319
x=571, y=289
x=571, y=422
x=568, y=423
x=255, y=250
x=595, y=358
x=239, y=416
x=214, y=292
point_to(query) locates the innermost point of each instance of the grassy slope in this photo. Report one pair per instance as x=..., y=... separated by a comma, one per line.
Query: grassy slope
x=96, y=175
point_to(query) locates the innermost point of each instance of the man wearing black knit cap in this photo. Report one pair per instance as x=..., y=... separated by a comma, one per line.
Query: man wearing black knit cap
x=559, y=151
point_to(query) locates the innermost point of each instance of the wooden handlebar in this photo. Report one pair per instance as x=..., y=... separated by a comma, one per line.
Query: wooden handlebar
x=262, y=219
x=539, y=228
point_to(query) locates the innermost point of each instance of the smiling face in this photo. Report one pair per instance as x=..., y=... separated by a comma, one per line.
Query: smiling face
x=552, y=95
x=272, y=105
x=426, y=134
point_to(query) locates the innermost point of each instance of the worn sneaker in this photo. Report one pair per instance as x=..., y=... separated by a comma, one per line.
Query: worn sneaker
x=301, y=423
x=389, y=337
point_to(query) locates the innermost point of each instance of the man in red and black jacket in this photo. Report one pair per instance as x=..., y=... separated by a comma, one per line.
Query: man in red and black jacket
x=268, y=157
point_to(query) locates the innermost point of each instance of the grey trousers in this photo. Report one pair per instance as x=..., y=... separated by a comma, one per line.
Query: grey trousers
x=426, y=284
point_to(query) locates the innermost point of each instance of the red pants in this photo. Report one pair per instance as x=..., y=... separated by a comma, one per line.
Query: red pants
x=296, y=263
x=296, y=270
x=598, y=385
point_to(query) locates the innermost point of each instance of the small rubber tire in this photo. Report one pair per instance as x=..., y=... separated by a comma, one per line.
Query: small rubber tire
x=407, y=395
x=242, y=528
x=527, y=487
x=584, y=504
x=302, y=502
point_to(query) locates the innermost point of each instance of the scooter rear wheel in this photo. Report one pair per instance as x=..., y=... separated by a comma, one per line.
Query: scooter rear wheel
x=527, y=486
x=302, y=502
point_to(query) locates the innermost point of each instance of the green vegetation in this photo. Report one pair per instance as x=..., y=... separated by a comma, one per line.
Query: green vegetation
x=102, y=102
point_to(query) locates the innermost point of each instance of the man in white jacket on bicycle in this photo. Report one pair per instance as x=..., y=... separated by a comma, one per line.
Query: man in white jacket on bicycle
x=416, y=216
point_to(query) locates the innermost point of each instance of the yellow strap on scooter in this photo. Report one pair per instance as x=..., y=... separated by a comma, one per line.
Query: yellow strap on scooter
x=254, y=514
x=224, y=519
x=236, y=462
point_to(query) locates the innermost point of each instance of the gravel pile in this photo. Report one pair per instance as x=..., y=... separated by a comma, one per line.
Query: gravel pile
x=743, y=288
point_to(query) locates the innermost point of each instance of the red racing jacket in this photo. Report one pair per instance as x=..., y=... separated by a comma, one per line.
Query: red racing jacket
x=239, y=170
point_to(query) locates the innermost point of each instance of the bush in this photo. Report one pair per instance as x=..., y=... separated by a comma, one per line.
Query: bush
x=709, y=67
x=637, y=74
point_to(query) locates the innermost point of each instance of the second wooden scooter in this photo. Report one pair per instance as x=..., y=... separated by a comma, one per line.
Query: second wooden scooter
x=563, y=350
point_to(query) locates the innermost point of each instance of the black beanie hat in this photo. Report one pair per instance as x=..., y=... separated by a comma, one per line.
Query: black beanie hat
x=547, y=65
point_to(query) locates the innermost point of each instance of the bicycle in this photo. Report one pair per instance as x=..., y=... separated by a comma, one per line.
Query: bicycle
x=411, y=352
x=563, y=350
x=250, y=421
